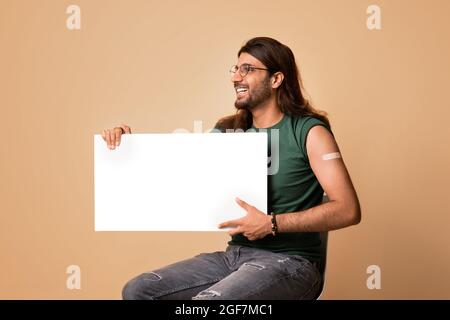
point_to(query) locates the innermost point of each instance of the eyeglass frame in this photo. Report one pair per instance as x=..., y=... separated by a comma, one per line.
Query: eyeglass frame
x=248, y=65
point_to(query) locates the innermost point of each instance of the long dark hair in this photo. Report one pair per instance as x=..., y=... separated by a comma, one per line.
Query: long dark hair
x=277, y=57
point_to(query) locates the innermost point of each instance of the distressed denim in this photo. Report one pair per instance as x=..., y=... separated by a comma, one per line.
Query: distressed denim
x=238, y=273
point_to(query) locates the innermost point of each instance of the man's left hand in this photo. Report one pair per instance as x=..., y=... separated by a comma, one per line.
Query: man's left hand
x=254, y=225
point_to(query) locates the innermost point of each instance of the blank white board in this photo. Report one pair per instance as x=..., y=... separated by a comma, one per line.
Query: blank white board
x=178, y=181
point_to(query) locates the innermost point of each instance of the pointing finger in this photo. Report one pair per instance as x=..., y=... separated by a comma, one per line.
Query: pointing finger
x=243, y=204
x=230, y=223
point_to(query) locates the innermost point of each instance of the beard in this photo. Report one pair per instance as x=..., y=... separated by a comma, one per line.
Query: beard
x=257, y=97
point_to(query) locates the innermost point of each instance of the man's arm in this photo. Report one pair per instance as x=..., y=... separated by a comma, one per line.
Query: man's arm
x=341, y=211
x=343, y=208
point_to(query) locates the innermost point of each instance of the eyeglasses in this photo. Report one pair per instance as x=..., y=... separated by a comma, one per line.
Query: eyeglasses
x=244, y=69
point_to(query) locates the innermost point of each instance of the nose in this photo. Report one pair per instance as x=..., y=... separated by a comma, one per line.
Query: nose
x=236, y=77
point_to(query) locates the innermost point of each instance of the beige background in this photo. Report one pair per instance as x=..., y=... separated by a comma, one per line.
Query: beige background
x=161, y=65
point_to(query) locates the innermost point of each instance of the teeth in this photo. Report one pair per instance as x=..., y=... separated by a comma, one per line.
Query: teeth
x=241, y=90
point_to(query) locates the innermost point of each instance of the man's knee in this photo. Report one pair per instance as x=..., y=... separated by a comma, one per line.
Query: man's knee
x=131, y=289
x=141, y=287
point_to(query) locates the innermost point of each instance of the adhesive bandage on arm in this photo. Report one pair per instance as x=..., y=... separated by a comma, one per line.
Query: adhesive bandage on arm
x=330, y=156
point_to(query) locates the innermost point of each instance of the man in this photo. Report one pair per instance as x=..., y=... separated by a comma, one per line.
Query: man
x=275, y=255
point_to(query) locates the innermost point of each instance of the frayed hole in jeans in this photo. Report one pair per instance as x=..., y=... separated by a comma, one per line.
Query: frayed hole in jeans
x=152, y=276
x=207, y=293
x=254, y=265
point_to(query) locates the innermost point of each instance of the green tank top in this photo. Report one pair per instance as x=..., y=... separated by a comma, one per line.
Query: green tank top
x=292, y=186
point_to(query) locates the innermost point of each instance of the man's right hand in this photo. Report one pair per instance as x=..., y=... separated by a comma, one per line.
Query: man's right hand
x=112, y=136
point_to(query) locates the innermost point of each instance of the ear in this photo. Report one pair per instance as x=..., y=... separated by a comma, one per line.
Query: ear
x=277, y=79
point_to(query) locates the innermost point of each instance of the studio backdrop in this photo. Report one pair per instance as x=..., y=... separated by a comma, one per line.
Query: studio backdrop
x=69, y=69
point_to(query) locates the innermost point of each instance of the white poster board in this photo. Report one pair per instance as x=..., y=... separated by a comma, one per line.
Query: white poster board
x=178, y=181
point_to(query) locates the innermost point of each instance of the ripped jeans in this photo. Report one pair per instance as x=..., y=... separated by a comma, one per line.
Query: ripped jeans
x=238, y=273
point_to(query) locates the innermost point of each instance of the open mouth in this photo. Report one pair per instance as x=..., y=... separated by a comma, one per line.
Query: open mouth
x=240, y=91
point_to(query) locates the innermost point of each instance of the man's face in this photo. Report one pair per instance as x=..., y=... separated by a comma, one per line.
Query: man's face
x=254, y=88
